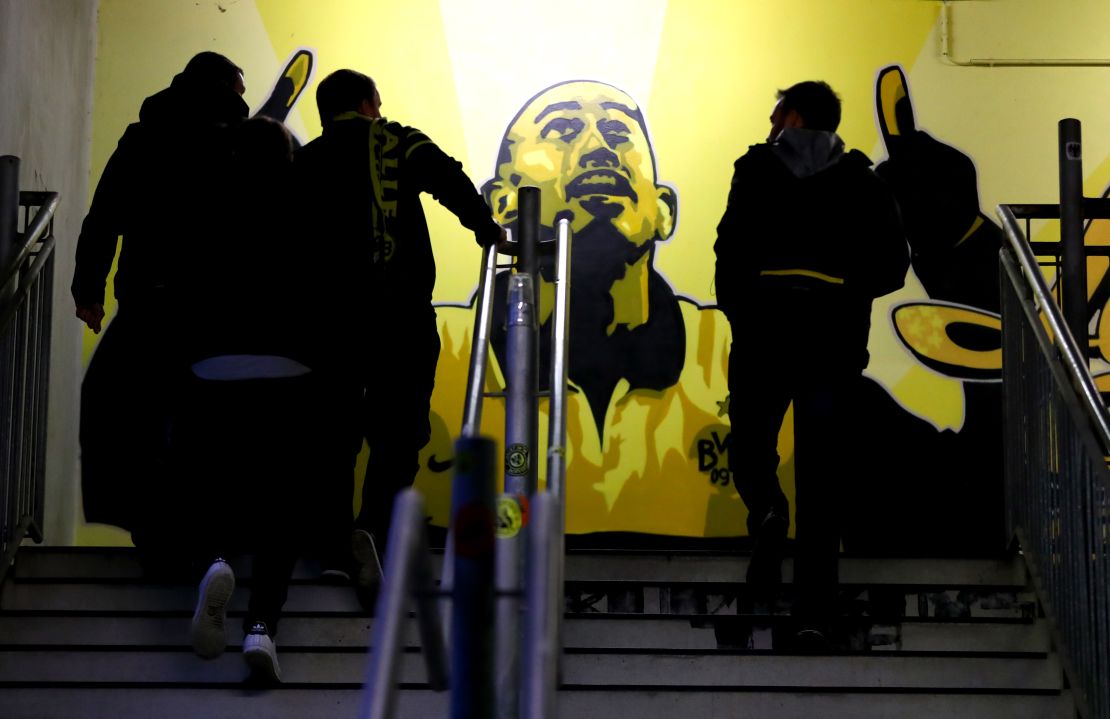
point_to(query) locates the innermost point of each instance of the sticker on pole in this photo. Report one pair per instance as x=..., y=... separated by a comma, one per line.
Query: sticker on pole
x=512, y=515
x=517, y=460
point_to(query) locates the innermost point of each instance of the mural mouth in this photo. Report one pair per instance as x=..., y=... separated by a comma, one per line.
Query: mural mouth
x=600, y=182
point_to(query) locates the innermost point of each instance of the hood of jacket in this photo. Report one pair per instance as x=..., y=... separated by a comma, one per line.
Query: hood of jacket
x=188, y=101
x=807, y=152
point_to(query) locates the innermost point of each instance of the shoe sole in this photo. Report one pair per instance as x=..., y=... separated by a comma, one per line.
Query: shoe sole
x=209, y=633
x=262, y=665
x=369, y=569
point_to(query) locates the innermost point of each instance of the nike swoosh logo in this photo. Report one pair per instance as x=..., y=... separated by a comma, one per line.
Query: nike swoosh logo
x=440, y=466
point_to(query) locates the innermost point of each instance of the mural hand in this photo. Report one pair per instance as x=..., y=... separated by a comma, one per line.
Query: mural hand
x=289, y=85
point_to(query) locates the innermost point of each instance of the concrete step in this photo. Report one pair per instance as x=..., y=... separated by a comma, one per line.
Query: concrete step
x=595, y=567
x=297, y=702
x=132, y=595
x=585, y=631
x=128, y=596
x=582, y=668
x=237, y=703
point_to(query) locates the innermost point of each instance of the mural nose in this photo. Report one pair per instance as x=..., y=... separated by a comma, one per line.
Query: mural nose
x=601, y=157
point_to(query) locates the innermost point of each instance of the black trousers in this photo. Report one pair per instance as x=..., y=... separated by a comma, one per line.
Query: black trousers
x=251, y=450
x=790, y=350
x=400, y=380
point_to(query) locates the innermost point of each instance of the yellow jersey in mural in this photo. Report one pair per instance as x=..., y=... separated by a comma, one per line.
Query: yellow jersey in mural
x=657, y=462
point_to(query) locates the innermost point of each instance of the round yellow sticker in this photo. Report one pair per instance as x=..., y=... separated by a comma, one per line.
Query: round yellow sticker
x=510, y=516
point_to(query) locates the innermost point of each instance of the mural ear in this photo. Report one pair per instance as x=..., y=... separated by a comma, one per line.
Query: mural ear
x=953, y=340
x=289, y=85
x=893, y=105
x=667, y=202
x=501, y=199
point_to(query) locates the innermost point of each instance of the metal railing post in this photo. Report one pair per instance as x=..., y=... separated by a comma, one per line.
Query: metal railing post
x=521, y=409
x=9, y=205
x=1074, y=264
x=472, y=597
x=9, y=217
x=404, y=573
x=541, y=637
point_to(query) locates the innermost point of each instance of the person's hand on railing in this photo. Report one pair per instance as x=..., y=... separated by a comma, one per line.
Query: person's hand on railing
x=502, y=241
x=91, y=315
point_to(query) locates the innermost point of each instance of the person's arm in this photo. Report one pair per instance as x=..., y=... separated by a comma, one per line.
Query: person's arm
x=732, y=266
x=96, y=245
x=442, y=176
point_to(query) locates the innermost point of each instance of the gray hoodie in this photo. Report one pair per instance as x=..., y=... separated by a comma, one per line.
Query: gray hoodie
x=807, y=152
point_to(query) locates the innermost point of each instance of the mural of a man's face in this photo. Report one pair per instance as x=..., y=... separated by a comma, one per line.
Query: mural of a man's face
x=585, y=145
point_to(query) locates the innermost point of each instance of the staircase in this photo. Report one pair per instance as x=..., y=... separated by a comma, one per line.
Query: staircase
x=647, y=635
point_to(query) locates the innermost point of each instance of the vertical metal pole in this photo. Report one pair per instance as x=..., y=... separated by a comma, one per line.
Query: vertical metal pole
x=557, y=431
x=9, y=208
x=1071, y=233
x=405, y=533
x=479, y=346
x=9, y=222
x=9, y=234
x=472, y=614
x=544, y=607
x=472, y=410
x=520, y=445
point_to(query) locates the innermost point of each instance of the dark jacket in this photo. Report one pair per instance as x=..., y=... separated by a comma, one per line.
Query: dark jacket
x=803, y=215
x=150, y=190
x=362, y=179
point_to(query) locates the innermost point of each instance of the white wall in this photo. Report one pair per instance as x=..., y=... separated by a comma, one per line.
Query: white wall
x=47, y=49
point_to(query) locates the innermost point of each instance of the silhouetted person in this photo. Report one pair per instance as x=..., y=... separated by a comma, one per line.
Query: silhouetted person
x=253, y=423
x=149, y=192
x=363, y=178
x=809, y=238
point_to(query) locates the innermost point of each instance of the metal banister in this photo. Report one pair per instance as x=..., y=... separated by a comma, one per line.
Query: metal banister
x=39, y=225
x=26, y=309
x=530, y=554
x=1057, y=481
x=479, y=345
x=1073, y=362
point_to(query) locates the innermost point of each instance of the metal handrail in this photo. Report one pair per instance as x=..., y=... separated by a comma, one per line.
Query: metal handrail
x=26, y=305
x=1058, y=484
x=1068, y=348
x=479, y=345
x=47, y=203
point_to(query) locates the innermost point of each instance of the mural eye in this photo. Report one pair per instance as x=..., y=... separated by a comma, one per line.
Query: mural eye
x=615, y=132
x=562, y=128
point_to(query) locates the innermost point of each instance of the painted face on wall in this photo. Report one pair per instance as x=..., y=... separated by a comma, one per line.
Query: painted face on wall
x=585, y=145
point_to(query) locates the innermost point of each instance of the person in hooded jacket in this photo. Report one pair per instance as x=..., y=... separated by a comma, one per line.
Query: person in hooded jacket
x=809, y=238
x=151, y=193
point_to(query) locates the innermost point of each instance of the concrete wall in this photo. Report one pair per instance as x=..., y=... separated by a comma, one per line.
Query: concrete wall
x=47, y=52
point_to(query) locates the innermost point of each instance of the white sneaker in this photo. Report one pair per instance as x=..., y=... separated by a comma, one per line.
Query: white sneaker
x=208, y=629
x=368, y=567
x=260, y=655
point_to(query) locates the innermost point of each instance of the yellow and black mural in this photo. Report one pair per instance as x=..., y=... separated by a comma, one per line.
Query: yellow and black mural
x=647, y=425
x=628, y=115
